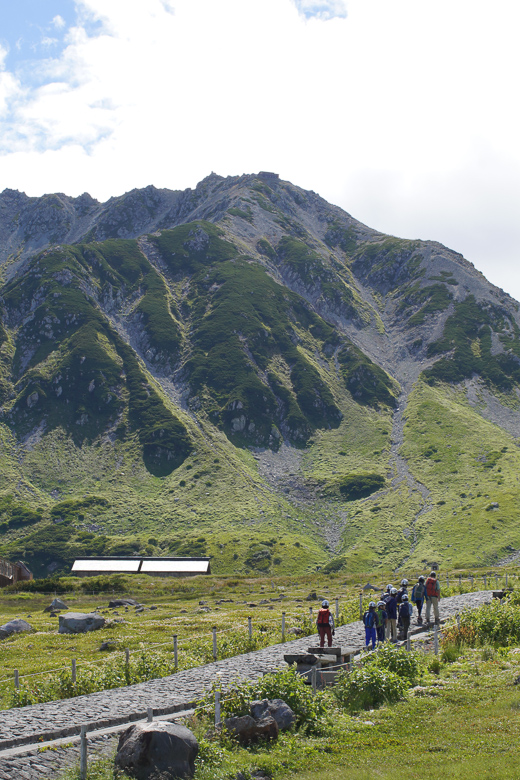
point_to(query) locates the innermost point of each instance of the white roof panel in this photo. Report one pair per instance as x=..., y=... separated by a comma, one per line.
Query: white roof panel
x=101, y=564
x=200, y=567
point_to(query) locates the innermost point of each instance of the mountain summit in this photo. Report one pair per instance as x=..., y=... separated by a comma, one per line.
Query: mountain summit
x=247, y=370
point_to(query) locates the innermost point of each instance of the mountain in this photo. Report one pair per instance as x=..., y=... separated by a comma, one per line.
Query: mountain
x=247, y=371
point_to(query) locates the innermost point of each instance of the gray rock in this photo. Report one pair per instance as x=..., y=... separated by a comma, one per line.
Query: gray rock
x=16, y=626
x=122, y=603
x=277, y=708
x=110, y=644
x=56, y=604
x=157, y=751
x=312, y=596
x=248, y=730
x=80, y=622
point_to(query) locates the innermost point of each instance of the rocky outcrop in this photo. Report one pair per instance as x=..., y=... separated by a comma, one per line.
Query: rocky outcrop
x=16, y=626
x=157, y=751
x=80, y=623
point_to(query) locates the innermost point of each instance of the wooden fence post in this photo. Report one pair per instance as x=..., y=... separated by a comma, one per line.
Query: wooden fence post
x=283, y=626
x=360, y=605
x=16, y=679
x=337, y=610
x=83, y=754
x=175, y=652
x=73, y=671
x=313, y=678
x=217, y=708
x=250, y=627
x=214, y=643
x=436, y=639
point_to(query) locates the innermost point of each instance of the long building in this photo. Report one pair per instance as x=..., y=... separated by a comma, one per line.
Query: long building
x=158, y=567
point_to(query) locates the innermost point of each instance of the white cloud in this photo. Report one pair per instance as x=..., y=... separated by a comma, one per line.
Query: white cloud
x=58, y=22
x=404, y=113
x=322, y=9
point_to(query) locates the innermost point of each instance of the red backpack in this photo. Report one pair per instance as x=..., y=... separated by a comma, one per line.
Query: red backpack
x=323, y=617
x=432, y=587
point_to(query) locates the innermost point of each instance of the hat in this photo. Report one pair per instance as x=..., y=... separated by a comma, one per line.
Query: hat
x=393, y=591
x=372, y=604
x=325, y=603
x=405, y=597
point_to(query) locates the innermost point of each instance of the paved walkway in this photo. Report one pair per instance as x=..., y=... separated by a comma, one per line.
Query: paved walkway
x=64, y=718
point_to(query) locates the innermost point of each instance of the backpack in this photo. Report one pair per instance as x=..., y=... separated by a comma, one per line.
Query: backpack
x=410, y=609
x=432, y=587
x=370, y=619
x=323, y=617
x=418, y=592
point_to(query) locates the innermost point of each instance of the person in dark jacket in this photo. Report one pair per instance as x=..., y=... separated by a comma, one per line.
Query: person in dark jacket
x=370, y=623
x=391, y=611
x=382, y=617
x=418, y=596
x=405, y=609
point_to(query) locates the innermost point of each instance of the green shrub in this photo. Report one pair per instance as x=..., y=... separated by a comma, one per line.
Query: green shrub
x=450, y=653
x=368, y=687
x=310, y=710
x=355, y=486
x=398, y=660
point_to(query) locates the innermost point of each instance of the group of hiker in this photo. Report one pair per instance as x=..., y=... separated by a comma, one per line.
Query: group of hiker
x=392, y=613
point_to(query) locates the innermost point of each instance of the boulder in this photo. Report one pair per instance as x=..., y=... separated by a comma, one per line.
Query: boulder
x=14, y=627
x=157, y=751
x=55, y=605
x=312, y=596
x=248, y=730
x=122, y=603
x=80, y=622
x=277, y=709
x=110, y=644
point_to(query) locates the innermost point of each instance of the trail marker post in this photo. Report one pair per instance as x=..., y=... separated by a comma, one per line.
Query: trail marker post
x=214, y=643
x=175, y=652
x=73, y=671
x=283, y=626
x=250, y=627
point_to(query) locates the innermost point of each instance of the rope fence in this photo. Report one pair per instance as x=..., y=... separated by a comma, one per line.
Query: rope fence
x=446, y=581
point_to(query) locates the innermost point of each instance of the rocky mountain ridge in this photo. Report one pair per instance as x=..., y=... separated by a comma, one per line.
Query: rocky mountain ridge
x=184, y=330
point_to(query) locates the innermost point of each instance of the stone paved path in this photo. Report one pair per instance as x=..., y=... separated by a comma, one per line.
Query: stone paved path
x=29, y=725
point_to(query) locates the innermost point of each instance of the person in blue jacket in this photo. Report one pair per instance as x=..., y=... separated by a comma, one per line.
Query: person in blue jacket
x=370, y=621
x=391, y=611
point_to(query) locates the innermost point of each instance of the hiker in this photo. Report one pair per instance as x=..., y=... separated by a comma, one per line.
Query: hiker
x=402, y=590
x=433, y=594
x=405, y=613
x=370, y=623
x=400, y=593
x=418, y=594
x=382, y=617
x=391, y=611
x=386, y=593
x=325, y=624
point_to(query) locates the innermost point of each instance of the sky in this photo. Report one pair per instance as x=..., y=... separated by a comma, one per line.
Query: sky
x=403, y=112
